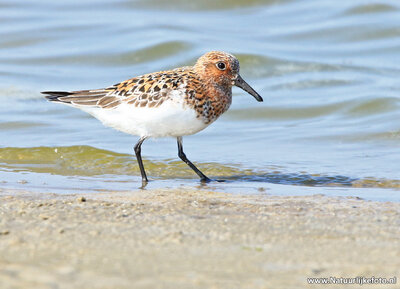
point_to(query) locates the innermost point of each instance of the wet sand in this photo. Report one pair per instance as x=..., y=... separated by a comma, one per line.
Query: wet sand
x=193, y=239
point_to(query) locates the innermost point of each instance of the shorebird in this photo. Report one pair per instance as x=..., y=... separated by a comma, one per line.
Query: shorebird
x=172, y=103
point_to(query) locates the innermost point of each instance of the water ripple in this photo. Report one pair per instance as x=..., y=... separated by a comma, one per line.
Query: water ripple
x=327, y=70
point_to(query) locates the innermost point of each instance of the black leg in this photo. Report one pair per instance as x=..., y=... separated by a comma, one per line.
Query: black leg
x=139, y=159
x=183, y=157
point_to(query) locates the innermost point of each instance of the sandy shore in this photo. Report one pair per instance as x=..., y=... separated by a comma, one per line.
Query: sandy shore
x=189, y=239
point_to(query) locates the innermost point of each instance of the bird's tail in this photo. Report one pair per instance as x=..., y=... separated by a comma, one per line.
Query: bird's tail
x=55, y=95
x=94, y=98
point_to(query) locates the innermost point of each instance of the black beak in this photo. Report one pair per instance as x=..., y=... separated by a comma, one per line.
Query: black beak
x=239, y=82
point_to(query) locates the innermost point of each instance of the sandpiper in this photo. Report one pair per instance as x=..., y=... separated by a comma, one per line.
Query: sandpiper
x=172, y=103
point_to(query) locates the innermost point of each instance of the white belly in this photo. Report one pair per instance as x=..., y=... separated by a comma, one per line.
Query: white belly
x=170, y=119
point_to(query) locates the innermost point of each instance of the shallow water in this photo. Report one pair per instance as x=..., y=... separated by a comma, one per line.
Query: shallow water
x=328, y=72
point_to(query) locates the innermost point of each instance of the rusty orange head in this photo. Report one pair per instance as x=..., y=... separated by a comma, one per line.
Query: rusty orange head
x=222, y=69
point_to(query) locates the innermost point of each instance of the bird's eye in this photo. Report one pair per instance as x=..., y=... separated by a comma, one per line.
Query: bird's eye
x=221, y=66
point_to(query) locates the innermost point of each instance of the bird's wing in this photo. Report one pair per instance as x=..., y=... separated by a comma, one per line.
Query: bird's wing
x=149, y=90
x=96, y=97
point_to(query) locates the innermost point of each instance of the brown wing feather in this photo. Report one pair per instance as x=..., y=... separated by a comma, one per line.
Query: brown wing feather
x=149, y=90
x=100, y=97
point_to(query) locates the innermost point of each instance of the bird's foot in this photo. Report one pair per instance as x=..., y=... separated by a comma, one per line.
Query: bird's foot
x=144, y=183
x=205, y=180
x=208, y=180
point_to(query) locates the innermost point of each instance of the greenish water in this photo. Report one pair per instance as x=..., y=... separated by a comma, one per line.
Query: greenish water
x=328, y=72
